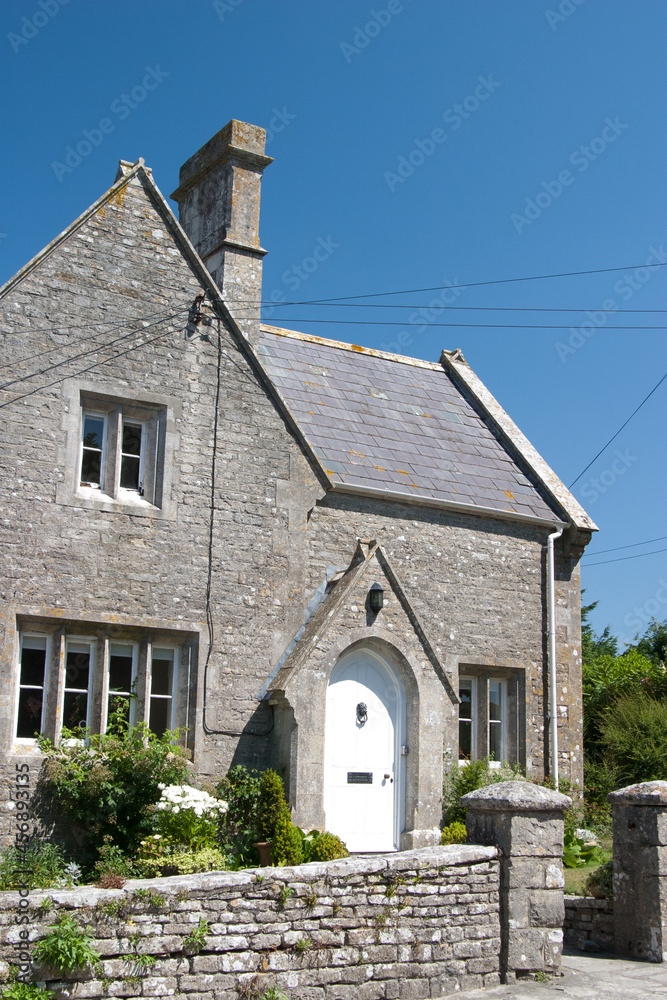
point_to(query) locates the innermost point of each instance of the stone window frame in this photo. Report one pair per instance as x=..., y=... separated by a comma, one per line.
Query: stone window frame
x=512, y=680
x=101, y=637
x=157, y=414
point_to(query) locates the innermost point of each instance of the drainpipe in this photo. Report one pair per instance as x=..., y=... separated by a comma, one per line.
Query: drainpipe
x=551, y=615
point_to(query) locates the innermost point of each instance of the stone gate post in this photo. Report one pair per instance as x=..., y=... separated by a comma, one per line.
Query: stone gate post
x=640, y=870
x=525, y=822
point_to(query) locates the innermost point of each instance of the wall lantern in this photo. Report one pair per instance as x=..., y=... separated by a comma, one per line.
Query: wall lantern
x=376, y=598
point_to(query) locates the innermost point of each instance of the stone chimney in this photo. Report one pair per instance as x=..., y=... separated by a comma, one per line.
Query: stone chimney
x=218, y=205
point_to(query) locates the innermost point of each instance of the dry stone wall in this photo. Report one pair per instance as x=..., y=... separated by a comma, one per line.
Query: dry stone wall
x=419, y=924
x=589, y=923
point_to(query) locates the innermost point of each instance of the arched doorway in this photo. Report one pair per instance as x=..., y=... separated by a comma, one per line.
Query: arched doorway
x=364, y=772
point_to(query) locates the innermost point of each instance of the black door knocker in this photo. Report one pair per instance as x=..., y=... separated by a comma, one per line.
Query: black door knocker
x=362, y=714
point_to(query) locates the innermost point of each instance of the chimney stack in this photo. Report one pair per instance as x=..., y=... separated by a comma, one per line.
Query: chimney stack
x=218, y=205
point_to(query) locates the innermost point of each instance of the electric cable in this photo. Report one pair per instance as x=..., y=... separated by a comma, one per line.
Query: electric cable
x=105, y=361
x=82, y=340
x=83, y=354
x=614, y=436
x=617, y=548
x=490, y=326
x=466, y=284
x=638, y=555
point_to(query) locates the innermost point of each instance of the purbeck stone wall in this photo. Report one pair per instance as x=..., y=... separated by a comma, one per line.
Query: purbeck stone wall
x=589, y=923
x=405, y=926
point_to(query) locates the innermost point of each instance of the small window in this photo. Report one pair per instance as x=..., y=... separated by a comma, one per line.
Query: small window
x=93, y=450
x=163, y=678
x=482, y=718
x=32, y=681
x=122, y=672
x=78, y=674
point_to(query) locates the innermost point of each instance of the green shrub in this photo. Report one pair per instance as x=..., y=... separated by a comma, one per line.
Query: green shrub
x=188, y=817
x=239, y=827
x=287, y=842
x=576, y=852
x=455, y=833
x=328, y=847
x=25, y=991
x=634, y=732
x=153, y=865
x=112, y=861
x=600, y=882
x=40, y=866
x=272, y=804
x=464, y=778
x=66, y=946
x=104, y=785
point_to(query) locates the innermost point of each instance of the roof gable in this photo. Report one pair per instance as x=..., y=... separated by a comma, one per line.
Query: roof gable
x=369, y=558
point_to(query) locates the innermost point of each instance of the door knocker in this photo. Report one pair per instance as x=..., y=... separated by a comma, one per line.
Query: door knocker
x=362, y=713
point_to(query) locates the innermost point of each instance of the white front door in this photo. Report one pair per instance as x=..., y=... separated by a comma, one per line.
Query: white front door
x=364, y=725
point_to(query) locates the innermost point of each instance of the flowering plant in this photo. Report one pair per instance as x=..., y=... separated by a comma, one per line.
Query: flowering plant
x=188, y=816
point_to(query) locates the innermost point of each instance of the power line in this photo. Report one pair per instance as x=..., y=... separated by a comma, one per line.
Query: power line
x=468, y=284
x=637, y=555
x=413, y=305
x=614, y=436
x=489, y=326
x=143, y=343
x=83, y=354
x=617, y=548
x=82, y=340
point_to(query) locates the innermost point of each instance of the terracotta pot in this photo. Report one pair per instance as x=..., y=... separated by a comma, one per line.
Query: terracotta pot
x=263, y=848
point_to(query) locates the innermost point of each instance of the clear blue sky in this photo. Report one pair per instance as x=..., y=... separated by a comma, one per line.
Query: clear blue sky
x=561, y=116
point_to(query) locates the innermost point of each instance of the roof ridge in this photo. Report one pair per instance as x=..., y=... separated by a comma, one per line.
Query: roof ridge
x=341, y=345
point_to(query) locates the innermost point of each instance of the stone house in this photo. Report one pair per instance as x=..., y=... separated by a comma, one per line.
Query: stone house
x=301, y=553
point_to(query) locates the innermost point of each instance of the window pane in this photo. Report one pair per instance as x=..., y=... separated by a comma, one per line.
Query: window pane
x=495, y=701
x=162, y=671
x=75, y=709
x=465, y=739
x=496, y=740
x=160, y=715
x=93, y=432
x=465, y=708
x=120, y=668
x=91, y=466
x=77, y=667
x=33, y=662
x=131, y=439
x=129, y=472
x=30, y=713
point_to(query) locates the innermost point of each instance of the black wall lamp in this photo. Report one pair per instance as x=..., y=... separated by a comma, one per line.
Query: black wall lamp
x=376, y=598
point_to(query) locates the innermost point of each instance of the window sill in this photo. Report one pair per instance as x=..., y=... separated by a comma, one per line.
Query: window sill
x=127, y=502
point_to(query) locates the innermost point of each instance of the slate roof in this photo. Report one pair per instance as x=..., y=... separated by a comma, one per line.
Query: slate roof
x=397, y=424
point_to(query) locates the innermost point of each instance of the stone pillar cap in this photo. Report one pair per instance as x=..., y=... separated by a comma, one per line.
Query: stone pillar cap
x=516, y=796
x=645, y=793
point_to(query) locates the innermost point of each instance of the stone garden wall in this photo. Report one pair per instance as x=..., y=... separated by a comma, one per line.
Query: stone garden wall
x=589, y=923
x=422, y=923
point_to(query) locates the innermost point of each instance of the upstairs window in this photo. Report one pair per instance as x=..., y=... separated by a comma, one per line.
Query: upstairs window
x=121, y=454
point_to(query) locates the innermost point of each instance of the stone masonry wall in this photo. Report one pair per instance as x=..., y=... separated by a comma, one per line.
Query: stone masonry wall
x=407, y=926
x=589, y=923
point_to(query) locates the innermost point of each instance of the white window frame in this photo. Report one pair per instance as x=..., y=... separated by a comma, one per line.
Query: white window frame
x=106, y=690
x=174, y=683
x=473, y=681
x=103, y=456
x=142, y=454
x=91, y=642
x=31, y=740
